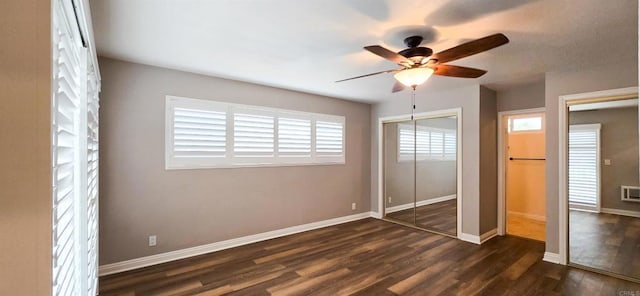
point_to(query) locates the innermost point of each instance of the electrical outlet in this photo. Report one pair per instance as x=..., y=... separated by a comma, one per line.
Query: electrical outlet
x=353, y=206
x=152, y=241
x=607, y=162
x=389, y=199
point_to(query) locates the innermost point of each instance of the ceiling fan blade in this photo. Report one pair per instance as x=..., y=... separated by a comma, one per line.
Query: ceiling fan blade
x=457, y=71
x=389, y=55
x=370, y=74
x=471, y=48
x=397, y=87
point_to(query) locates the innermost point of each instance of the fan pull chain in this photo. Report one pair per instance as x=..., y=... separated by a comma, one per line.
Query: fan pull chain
x=413, y=102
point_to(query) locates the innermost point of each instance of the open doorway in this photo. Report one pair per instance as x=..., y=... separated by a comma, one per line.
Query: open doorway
x=522, y=174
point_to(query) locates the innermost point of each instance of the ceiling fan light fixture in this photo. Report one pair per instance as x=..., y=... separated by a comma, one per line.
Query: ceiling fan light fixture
x=414, y=76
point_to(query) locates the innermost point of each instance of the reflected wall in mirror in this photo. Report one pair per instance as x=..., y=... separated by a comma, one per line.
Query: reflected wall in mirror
x=420, y=165
x=604, y=225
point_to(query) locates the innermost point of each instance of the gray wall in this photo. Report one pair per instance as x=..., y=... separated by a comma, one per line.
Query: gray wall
x=187, y=208
x=25, y=148
x=466, y=97
x=488, y=160
x=619, y=143
x=525, y=96
x=436, y=178
x=571, y=82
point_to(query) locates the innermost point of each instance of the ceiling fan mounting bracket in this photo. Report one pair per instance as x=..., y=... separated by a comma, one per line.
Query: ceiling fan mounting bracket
x=412, y=41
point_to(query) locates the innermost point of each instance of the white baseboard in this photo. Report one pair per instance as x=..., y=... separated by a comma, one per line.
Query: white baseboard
x=376, y=215
x=479, y=239
x=620, y=212
x=420, y=203
x=551, y=257
x=527, y=216
x=217, y=246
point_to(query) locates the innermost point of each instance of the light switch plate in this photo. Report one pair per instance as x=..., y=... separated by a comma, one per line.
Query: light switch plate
x=607, y=162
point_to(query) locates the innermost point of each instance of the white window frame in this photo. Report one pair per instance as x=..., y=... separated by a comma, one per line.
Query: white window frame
x=523, y=116
x=230, y=160
x=577, y=206
x=430, y=156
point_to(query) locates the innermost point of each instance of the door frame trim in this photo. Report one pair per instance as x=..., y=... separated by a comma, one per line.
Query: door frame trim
x=502, y=225
x=423, y=115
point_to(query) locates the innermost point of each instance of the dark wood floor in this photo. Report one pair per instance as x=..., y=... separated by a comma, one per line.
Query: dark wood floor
x=440, y=216
x=605, y=241
x=367, y=257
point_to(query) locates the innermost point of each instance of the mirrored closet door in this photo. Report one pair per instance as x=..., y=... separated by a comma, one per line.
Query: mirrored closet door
x=420, y=173
x=603, y=186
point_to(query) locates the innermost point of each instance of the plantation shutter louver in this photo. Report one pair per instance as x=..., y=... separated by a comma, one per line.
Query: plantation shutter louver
x=583, y=165
x=253, y=134
x=199, y=133
x=329, y=138
x=294, y=137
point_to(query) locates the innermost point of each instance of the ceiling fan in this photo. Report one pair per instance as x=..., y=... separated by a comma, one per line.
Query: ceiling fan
x=419, y=63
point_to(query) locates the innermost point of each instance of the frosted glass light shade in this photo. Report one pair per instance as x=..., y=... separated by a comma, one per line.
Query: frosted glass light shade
x=413, y=76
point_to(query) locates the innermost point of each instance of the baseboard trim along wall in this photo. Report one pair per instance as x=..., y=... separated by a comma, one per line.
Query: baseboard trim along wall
x=222, y=245
x=527, y=215
x=420, y=203
x=479, y=239
x=620, y=212
x=551, y=257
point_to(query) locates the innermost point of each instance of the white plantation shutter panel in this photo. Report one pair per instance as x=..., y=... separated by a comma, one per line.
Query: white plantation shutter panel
x=67, y=57
x=294, y=137
x=329, y=138
x=450, y=146
x=92, y=183
x=583, y=165
x=437, y=144
x=406, y=142
x=199, y=133
x=422, y=144
x=253, y=134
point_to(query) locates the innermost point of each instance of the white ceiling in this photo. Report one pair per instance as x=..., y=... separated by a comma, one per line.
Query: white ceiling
x=307, y=45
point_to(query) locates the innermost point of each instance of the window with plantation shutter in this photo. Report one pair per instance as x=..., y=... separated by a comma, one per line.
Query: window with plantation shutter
x=584, y=162
x=210, y=134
